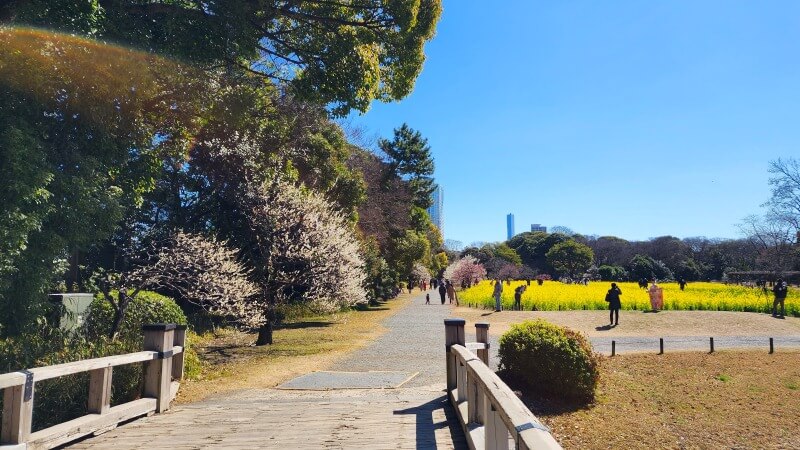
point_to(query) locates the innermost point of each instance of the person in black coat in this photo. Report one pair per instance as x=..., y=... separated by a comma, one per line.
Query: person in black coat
x=614, y=303
x=442, y=290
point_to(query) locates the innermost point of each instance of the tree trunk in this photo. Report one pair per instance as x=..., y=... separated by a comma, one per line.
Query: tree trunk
x=265, y=331
x=119, y=315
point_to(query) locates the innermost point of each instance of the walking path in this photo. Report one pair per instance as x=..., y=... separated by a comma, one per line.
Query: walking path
x=414, y=416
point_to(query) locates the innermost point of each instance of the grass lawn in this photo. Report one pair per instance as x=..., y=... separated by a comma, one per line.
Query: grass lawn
x=729, y=399
x=230, y=361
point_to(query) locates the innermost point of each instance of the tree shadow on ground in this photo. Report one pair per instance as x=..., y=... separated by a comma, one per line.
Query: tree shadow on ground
x=303, y=325
x=426, y=428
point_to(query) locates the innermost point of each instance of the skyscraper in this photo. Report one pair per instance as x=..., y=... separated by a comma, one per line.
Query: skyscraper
x=436, y=211
x=510, y=225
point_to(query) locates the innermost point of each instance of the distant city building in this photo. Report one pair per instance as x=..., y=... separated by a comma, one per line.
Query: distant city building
x=538, y=227
x=510, y=225
x=436, y=211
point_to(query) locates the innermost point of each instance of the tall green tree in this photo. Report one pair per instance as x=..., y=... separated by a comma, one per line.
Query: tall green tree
x=409, y=157
x=570, y=258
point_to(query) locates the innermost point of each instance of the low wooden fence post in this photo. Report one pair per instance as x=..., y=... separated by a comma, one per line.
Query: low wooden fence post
x=454, y=334
x=482, y=336
x=100, y=390
x=158, y=373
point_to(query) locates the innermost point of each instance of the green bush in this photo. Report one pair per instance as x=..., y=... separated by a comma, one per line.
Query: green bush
x=64, y=398
x=148, y=307
x=550, y=360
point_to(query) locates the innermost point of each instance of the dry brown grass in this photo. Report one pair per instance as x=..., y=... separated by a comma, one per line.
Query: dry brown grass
x=741, y=399
x=232, y=362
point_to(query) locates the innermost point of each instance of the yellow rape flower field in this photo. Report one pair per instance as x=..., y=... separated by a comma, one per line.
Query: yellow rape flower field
x=556, y=296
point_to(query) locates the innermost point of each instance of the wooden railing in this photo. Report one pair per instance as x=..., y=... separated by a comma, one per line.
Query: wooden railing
x=163, y=359
x=488, y=410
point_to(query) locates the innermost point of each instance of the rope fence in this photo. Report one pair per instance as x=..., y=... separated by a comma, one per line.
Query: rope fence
x=711, y=343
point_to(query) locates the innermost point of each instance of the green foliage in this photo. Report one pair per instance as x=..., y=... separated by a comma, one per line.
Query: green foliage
x=642, y=266
x=146, y=308
x=410, y=158
x=570, y=258
x=507, y=253
x=612, y=273
x=550, y=359
x=532, y=247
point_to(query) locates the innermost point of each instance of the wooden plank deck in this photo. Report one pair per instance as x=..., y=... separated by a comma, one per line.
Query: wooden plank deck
x=415, y=418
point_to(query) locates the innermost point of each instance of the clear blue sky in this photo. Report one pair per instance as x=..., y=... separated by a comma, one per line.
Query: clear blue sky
x=628, y=118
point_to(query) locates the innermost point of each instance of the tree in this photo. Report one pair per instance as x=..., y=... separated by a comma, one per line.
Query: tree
x=193, y=268
x=507, y=253
x=409, y=157
x=532, y=247
x=345, y=54
x=784, y=205
x=465, y=269
x=302, y=250
x=612, y=273
x=570, y=258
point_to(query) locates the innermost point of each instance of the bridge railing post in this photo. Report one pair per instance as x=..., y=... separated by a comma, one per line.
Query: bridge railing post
x=178, y=360
x=482, y=336
x=454, y=335
x=17, y=412
x=158, y=372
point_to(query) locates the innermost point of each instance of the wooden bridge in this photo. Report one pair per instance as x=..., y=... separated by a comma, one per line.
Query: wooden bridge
x=469, y=408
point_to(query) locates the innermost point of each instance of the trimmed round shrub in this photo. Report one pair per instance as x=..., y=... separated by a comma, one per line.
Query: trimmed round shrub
x=148, y=307
x=550, y=359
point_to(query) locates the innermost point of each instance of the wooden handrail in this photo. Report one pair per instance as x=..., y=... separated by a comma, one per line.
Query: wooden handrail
x=487, y=408
x=163, y=356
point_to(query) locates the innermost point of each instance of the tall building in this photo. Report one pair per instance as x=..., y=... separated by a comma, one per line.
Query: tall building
x=510, y=225
x=436, y=211
x=538, y=227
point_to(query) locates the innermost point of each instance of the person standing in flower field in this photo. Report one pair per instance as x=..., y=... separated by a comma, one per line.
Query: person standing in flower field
x=614, y=303
x=780, y=289
x=498, y=292
x=518, y=297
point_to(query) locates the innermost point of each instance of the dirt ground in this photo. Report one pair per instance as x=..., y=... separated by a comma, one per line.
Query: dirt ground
x=638, y=323
x=687, y=400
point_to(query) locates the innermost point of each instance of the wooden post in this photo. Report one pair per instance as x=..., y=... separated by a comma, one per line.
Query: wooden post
x=482, y=336
x=178, y=360
x=711, y=343
x=475, y=398
x=661, y=346
x=100, y=390
x=771, y=346
x=495, y=432
x=613, y=348
x=461, y=381
x=454, y=334
x=17, y=413
x=158, y=373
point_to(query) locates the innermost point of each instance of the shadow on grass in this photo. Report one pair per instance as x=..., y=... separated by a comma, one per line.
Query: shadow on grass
x=303, y=325
x=541, y=403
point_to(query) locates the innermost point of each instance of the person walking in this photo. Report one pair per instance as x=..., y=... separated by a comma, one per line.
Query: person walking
x=427, y=299
x=682, y=283
x=497, y=294
x=518, y=297
x=442, y=290
x=780, y=289
x=451, y=292
x=614, y=303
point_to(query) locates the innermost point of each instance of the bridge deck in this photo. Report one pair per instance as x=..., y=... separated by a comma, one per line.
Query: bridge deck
x=412, y=416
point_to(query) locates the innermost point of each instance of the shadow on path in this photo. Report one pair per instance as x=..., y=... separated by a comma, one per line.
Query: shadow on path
x=426, y=428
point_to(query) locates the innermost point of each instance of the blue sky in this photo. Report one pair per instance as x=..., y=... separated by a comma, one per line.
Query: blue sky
x=627, y=118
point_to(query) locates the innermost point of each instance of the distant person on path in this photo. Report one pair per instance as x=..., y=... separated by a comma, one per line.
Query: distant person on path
x=427, y=299
x=780, y=289
x=682, y=283
x=497, y=294
x=442, y=290
x=614, y=304
x=518, y=298
x=434, y=283
x=424, y=285
x=451, y=292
